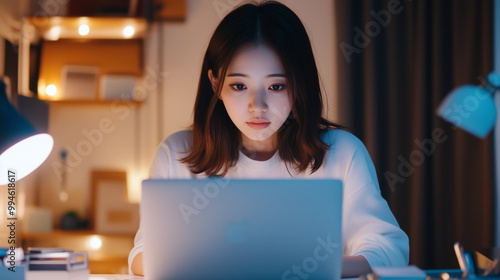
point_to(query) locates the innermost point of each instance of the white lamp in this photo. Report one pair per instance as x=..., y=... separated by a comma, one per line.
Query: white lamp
x=22, y=148
x=472, y=108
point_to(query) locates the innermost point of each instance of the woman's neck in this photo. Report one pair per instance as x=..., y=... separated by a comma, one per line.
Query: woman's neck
x=259, y=150
x=258, y=155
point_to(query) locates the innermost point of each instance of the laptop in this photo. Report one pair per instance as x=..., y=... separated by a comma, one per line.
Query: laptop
x=223, y=228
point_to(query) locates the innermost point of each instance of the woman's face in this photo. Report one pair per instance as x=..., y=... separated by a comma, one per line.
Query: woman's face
x=255, y=93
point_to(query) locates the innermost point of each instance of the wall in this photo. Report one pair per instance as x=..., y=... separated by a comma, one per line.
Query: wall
x=125, y=137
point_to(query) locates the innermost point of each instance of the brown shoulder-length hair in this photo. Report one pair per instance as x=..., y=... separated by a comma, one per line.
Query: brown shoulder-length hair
x=216, y=140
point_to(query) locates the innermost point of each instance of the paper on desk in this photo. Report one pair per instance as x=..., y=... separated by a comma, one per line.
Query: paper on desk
x=82, y=274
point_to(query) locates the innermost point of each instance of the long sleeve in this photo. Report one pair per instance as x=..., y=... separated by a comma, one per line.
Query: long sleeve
x=158, y=170
x=369, y=227
x=165, y=165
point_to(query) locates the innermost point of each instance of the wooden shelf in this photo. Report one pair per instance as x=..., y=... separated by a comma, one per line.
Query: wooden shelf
x=92, y=102
x=170, y=10
x=112, y=257
x=68, y=233
x=55, y=28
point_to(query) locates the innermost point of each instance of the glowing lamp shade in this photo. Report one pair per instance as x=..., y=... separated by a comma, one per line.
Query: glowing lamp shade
x=472, y=108
x=22, y=148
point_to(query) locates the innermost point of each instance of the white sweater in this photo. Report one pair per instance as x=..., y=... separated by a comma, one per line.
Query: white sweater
x=368, y=225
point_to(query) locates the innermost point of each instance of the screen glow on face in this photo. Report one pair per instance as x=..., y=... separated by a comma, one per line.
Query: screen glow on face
x=255, y=94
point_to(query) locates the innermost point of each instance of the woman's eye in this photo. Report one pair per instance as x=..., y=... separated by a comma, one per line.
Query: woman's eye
x=277, y=87
x=238, y=86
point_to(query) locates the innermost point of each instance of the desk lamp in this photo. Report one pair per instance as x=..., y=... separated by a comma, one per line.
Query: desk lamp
x=22, y=148
x=472, y=108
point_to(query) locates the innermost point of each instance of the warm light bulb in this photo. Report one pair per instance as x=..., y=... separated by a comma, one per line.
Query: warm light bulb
x=51, y=90
x=54, y=33
x=95, y=243
x=128, y=31
x=84, y=29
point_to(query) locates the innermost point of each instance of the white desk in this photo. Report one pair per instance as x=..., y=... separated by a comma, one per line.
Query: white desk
x=114, y=277
x=128, y=277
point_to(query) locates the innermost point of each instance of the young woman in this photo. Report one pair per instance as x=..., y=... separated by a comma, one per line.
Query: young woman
x=258, y=115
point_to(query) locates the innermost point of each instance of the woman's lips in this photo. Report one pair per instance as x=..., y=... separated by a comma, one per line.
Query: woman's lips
x=258, y=124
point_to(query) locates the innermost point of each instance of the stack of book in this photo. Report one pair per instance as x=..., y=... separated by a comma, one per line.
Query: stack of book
x=52, y=263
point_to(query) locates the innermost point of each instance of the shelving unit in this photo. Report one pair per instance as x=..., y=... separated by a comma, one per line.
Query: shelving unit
x=130, y=103
x=106, y=47
x=112, y=256
x=113, y=45
x=110, y=28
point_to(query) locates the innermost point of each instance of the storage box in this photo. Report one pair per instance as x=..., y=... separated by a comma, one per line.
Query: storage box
x=37, y=219
x=118, y=87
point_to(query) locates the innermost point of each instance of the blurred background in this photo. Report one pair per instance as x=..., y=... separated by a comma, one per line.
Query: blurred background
x=110, y=79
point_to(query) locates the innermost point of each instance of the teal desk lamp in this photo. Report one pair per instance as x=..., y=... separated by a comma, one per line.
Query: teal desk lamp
x=472, y=108
x=22, y=148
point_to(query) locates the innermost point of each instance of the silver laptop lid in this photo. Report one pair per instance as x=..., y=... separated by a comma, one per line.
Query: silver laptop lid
x=241, y=229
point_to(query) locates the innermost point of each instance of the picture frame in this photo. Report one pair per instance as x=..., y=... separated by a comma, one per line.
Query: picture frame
x=110, y=211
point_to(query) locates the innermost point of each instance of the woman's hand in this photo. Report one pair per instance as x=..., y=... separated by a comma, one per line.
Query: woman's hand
x=354, y=266
x=137, y=267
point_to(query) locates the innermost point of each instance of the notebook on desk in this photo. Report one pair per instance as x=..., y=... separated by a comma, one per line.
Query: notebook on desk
x=241, y=229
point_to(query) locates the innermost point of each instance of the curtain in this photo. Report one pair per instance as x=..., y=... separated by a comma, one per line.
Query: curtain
x=397, y=60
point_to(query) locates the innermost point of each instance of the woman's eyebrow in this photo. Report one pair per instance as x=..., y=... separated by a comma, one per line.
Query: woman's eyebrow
x=236, y=75
x=244, y=75
x=276, y=75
